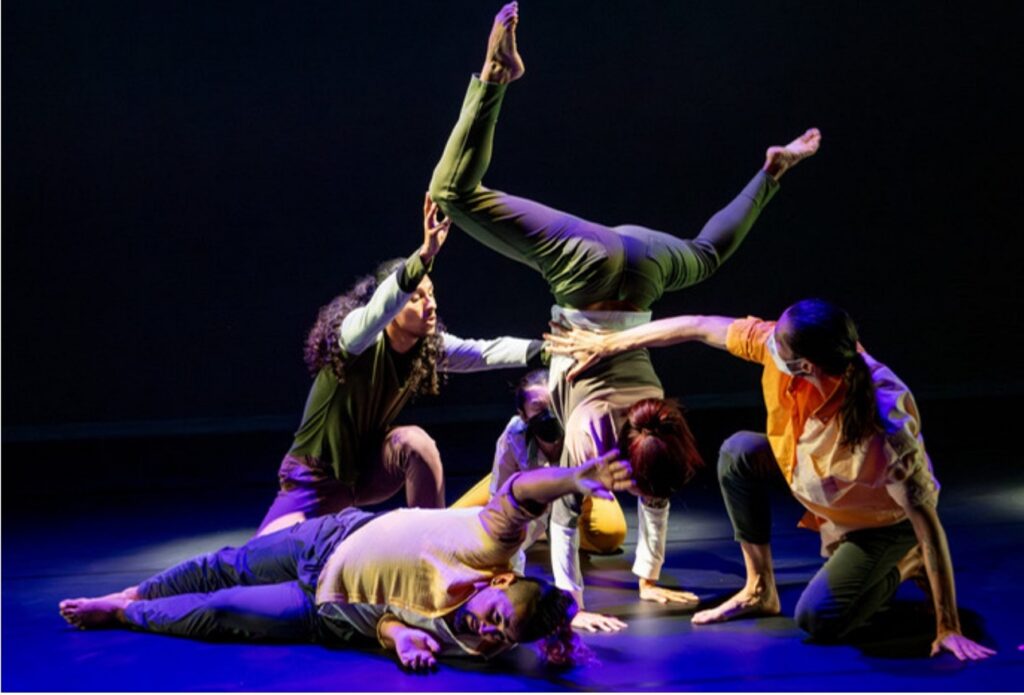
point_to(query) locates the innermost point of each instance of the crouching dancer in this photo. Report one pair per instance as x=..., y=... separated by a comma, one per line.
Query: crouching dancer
x=845, y=433
x=424, y=582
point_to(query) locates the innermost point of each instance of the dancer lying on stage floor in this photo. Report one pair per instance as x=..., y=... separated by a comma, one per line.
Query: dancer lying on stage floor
x=600, y=277
x=371, y=351
x=424, y=582
x=845, y=433
x=533, y=439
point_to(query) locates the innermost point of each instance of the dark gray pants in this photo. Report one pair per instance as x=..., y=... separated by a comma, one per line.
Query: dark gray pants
x=861, y=575
x=264, y=590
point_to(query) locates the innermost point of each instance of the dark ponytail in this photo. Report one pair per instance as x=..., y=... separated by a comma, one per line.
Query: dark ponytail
x=825, y=334
x=859, y=411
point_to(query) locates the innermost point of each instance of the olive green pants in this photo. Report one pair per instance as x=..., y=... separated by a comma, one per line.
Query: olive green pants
x=583, y=262
x=859, y=577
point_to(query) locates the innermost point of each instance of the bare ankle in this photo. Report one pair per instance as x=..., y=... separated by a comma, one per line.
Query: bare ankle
x=494, y=73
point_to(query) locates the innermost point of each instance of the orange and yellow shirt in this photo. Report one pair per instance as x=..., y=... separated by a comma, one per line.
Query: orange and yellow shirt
x=842, y=488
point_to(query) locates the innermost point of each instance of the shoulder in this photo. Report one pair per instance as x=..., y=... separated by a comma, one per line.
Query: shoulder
x=746, y=338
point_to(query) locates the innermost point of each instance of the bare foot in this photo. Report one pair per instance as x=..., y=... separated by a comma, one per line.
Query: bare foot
x=745, y=603
x=778, y=160
x=503, y=64
x=105, y=611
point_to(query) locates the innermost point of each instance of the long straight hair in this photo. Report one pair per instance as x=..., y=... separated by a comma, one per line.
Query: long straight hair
x=824, y=333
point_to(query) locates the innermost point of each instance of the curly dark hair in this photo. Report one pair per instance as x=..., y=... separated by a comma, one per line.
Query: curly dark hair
x=547, y=620
x=323, y=349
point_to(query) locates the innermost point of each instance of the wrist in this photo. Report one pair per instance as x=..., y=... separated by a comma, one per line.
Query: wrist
x=387, y=631
x=944, y=628
x=608, y=344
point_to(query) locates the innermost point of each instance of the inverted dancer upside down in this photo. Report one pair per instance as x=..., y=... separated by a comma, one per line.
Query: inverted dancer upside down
x=601, y=278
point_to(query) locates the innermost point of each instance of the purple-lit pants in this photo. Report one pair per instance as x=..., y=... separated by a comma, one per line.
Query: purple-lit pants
x=264, y=590
x=408, y=457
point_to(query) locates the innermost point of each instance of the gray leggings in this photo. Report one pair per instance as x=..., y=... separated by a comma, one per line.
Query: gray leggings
x=263, y=590
x=861, y=575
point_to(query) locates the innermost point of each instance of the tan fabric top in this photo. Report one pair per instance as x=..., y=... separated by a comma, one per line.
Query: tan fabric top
x=425, y=560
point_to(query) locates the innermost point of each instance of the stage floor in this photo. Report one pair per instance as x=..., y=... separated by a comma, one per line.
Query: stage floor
x=89, y=547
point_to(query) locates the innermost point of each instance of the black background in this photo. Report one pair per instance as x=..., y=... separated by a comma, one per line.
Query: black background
x=184, y=184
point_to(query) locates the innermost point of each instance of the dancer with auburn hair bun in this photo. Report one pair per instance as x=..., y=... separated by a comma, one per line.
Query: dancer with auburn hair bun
x=845, y=433
x=601, y=277
x=660, y=447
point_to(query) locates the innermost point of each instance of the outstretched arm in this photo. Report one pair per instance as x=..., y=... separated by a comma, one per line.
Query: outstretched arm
x=588, y=347
x=362, y=325
x=462, y=355
x=600, y=477
x=939, y=567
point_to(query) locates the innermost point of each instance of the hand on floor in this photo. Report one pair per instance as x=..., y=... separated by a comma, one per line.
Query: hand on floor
x=962, y=648
x=649, y=591
x=595, y=622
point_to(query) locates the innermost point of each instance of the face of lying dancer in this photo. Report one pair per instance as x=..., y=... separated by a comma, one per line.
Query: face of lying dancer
x=419, y=315
x=542, y=426
x=512, y=609
x=492, y=615
x=660, y=446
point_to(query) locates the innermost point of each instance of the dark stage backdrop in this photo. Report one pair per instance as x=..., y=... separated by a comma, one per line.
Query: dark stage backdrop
x=185, y=183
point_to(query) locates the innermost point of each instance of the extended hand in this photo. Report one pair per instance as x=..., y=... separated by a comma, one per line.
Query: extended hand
x=962, y=648
x=434, y=231
x=595, y=622
x=416, y=649
x=604, y=475
x=586, y=347
x=649, y=591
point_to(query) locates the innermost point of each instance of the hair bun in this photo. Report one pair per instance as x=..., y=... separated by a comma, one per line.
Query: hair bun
x=660, y=446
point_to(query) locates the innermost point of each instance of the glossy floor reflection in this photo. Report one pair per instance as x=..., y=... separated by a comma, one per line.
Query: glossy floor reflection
x=88, y=549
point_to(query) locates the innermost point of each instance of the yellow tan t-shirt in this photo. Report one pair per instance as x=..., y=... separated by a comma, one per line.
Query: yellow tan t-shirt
x=425, y=560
